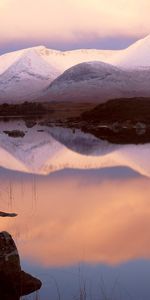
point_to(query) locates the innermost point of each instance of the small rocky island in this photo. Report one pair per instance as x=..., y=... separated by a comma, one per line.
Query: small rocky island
x=119, y=121
x=14, y=282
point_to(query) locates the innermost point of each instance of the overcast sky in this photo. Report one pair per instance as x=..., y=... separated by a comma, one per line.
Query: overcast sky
x=69, y=24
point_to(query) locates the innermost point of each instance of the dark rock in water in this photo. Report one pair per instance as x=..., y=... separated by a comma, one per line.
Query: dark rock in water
x=9, y=256
x=29, y=284
x=14, y=282
x=4, y=214
x=15, y=133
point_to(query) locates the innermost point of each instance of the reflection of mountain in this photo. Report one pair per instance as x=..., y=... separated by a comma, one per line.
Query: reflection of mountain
x=59, y=148
x=77, y=141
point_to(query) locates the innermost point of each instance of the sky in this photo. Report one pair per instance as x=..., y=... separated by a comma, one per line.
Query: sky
x=69, y=24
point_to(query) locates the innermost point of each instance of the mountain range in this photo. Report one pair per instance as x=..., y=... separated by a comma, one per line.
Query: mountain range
x=44, y=74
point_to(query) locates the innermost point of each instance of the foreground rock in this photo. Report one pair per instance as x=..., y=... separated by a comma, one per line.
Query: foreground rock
x=14, y=282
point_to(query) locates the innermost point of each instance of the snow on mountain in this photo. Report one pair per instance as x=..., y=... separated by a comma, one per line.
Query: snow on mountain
x=25, y=74
x=64, y=60
x=87, y=71
x=8, y=59
x=97, y=82
x=135, y=56
x=57, y=60
x=45, y=152
x=25, y=77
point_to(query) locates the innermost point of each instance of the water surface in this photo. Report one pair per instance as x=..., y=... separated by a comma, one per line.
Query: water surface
x=83, y=211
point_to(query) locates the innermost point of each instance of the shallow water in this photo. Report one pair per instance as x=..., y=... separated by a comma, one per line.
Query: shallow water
x=83, y=211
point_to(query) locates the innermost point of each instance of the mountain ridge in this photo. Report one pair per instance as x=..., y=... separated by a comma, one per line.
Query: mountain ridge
x=25, y=74
x=98, y=81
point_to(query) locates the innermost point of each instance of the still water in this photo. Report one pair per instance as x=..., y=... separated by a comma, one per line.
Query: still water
x=83, y=211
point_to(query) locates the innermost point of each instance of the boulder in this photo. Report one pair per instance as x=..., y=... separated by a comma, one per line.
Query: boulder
x=14, y=282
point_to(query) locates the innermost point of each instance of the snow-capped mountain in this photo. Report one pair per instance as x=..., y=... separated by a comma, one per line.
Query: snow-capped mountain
x=25, y=77
x=97, y=82
x=59, y=148
x=26, y=74
x=63, y=60
x=135, y=56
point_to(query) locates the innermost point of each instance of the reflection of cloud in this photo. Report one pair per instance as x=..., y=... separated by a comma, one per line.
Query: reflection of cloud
x=71, y=20
x=62, y=222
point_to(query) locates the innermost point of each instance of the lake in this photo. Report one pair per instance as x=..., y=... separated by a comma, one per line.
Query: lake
x=83, y=210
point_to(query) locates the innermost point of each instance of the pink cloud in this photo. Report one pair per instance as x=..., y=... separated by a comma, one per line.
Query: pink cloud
x=70, y=20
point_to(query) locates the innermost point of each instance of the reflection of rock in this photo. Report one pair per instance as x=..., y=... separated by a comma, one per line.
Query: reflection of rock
x=30, y=123
x=140, y=128
x=14, y=283
x=4, y=214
